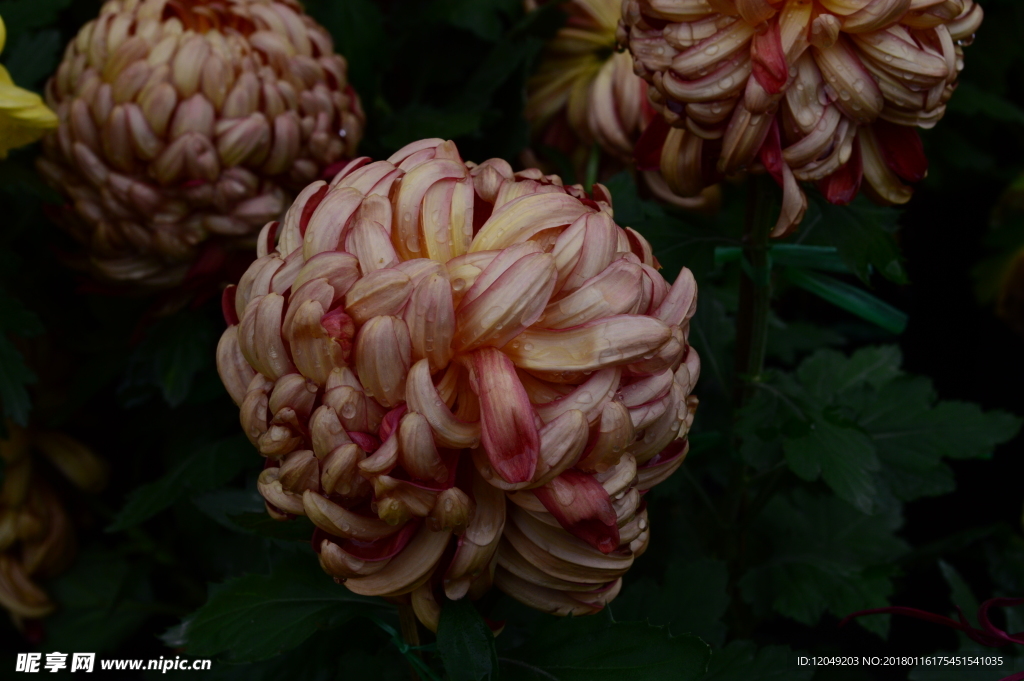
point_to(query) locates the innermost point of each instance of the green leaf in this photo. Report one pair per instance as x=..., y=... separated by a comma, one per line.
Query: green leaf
x=208, y=468
x=34, y=56
x=862, y=234
x=674, y=602
x=466, y=643
x=103, y=600
x=849, y=298
x=743, y=661
x=14, y=376
x=599, y=649
x=827, y=556
x=971, y=100
x=843, y=456
x=256, y=617
x=24, y=15
x=793, y=255
x=242, y=510
x=960, y=593
x=175, y=352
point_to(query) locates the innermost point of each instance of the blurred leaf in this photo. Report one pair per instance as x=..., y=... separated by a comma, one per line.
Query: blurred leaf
x=480, y=17
x=14, y=376
x=827, y=557
x=34, y=57
x=243, y=510
x=599, y=649
x=466, y=643
x=971, y=100
x=357, y=27
x=256, y=617
x=103, y=600
x=850, y=298
x=677, y=241
x=175, y=351
x=15, y=373
x=24, y=15
x=207, y=469
x=862, y=233
x=742, y=661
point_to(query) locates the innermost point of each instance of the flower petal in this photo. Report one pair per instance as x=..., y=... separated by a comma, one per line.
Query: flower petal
x=509, y=434
x=513, y=302
x=423, y=398
x=582, y=506
x=608, y=342
x=430, y=316
x=408, y=569
x=383, y=355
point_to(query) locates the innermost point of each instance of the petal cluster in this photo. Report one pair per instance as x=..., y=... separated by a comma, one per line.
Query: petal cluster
x=825, y=91
x=186, y=122
x=37, y=537
x=464, y=376
x=585, y=93
x=24, y=118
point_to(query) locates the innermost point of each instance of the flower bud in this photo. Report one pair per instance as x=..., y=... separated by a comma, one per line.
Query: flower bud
x=191, y=130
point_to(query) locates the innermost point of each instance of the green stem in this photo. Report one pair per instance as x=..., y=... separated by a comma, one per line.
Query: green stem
x=751, y=346
x=755, y=286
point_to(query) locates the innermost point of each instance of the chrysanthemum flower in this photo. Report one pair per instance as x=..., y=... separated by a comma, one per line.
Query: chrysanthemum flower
x=825, y=91
x=24, y=117
x=186, y=122
x=585, y=92
x=423, y=337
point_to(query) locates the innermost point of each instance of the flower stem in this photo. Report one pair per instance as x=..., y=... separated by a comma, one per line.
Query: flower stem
x=410, y=633
x=755, y=287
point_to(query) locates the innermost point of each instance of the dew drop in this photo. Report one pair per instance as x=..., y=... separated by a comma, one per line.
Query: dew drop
x=458, y=284
x=348, y=411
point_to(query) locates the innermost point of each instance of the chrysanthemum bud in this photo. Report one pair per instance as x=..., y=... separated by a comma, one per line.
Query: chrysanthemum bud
x=186, y=122
x=475, y=335
x=823, y=91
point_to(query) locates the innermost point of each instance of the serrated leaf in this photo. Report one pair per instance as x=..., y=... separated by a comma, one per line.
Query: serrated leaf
x=960, y=593
x=743, y=661
x=827, y=556
x=208, y=468
x=466, y=643
x=843, y=456
x=599, y=649
x=255, y=617
x=103, y=600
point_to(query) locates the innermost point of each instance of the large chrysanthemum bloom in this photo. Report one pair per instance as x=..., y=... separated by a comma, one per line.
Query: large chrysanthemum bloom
x=825, y=91
x=585, y=92
x=423, y=337
x=37, y=536
x=24, y=118
x=191, y=122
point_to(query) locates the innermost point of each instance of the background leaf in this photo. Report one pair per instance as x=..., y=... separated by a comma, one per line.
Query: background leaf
x=256, y=617
x=466, y=643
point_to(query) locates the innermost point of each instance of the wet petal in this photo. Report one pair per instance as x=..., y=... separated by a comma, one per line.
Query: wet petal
x=509, y=435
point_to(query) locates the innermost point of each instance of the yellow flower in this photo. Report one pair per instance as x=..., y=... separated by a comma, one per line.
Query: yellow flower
x=24, y=117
